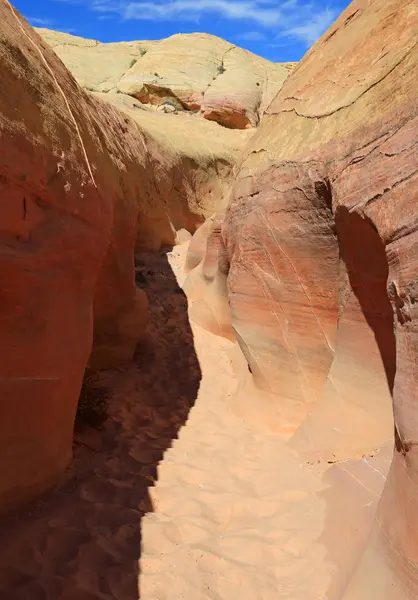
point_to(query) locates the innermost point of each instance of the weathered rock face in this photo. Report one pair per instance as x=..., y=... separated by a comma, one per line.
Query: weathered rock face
x=83, y=184
x=95, y=66
x=189, y=163
x=206, y=284
x=322, y=242
x=68, y=227
x=201, y=72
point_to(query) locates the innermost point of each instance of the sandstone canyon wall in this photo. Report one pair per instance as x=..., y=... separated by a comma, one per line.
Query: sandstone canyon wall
x=322, y=245
x=68, y=213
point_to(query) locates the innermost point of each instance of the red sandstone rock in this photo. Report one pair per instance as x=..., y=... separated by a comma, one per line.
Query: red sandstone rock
x=322, y=241
x=68, y=229
x=84, y=184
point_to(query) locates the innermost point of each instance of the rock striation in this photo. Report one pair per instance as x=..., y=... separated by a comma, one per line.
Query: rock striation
x=70, y=200
x=322, y=243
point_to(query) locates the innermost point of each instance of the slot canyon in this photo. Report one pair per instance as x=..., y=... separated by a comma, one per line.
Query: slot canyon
x=209, y=315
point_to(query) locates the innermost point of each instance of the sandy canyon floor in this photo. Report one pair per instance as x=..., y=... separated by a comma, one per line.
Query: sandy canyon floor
x=226, y=510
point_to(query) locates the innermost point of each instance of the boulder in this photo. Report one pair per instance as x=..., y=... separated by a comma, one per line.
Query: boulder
x=206, y=284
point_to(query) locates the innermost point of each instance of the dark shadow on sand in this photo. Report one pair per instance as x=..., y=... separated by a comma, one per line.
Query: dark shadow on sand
x=83, y=541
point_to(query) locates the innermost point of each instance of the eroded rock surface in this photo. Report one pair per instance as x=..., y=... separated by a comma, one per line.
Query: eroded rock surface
x=190, y=163
x=201, y=73
x=322, y=241
x=70, y=197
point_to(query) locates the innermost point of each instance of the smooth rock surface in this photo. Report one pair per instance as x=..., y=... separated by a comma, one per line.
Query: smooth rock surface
x=322, y=242
x=96, y=66
x=202, y=73
x=70, y=199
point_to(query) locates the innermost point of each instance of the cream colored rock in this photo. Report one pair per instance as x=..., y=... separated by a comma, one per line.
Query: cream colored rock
x=206, y=284
x=243, y=90
x=184, y=65
x=96, y=66
x=193, y=161
x=201, y=72
x=194, y=158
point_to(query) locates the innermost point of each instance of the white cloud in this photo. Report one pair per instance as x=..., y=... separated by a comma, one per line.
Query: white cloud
x=253, y=36
x=38, y=22
x=264, y=13
x=302, y=20
x=309, y=31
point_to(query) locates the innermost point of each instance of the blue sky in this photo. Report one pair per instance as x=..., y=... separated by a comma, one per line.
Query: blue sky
x=280, y=30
